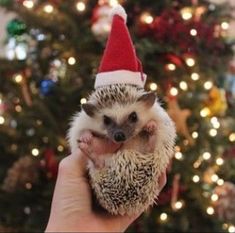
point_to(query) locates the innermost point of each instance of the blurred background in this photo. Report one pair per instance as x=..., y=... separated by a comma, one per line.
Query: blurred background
x=49, y=54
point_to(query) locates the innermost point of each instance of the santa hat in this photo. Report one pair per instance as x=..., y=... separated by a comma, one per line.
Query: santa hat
x=120, y=63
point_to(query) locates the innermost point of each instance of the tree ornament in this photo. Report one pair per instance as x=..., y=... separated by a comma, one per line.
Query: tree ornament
x=225, y=205
x=180, y=117
x=16, y=27
x=216, y=102
x=51, y=163
x=22, y=172
x=46, y=86
x=101, y=21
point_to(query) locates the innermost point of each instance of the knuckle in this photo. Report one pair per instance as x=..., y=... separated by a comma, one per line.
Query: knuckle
x=64, y=164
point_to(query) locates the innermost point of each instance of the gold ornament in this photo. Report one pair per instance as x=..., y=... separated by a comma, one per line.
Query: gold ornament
x=216, y=102
x=180, y=116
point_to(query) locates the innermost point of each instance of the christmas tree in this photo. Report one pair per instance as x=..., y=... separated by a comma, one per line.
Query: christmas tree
x=53, y=50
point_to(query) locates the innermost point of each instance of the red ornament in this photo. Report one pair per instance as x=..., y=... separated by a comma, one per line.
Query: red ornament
x=51, y=163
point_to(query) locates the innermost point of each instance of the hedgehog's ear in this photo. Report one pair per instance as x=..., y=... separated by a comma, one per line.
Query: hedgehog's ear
x=148, y=99
x=89, y=109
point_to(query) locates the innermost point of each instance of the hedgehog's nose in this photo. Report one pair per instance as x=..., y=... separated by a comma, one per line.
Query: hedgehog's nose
x=119, y=136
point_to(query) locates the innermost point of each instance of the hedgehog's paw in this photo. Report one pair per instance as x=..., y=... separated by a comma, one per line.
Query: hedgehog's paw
x=86, y=137
x=150, y=127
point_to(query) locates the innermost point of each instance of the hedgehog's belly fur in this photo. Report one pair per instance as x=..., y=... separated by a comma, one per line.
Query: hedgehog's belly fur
x=128, y=183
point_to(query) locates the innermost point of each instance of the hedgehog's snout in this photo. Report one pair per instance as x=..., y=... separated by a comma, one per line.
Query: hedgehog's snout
x=119, y=136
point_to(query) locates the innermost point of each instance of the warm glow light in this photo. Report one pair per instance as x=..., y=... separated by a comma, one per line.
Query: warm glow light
x=214, y=177
x=71, y=60
x=83, y=100
x=113, y=3
x=174, y=91
x=18, y=78
x=208, y=85
x=183, y=85
x=214, y=197
x=18, y=108
x=206, y=155
x=196, y=179
x=2, y=120
x=232, y=137
x=60, y=148
x=215, y=122
x=163, y=217
x=205, y=112
x=231, y=229
x=190, y=61
x=225, y=25
x=193, y=32
x=195, y=76
x=28, y=4
x=48, y=8
x=220, y=182
x=178, y=155
x=80, y=6
x=153, y=86
x=219, y=161
x=171, y=66
x=213, y=132
x=186, y=13
x=178, y=205
x=35, y=152
x=146, y=18
x=195, y=135
x=210, y=210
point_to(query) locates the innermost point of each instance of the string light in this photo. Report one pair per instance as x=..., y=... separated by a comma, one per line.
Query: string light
x=113, y=3
x=220, y=182
x=215, y=122
x=178, y=155
x=71, y=61
x=60, y=148
x=206, y=155
x=190, y=61
x=18, y=108
x=196, y=178
x=213, y=132
x=193, y=32
x=219, y=161
x=214, y=177
x=83, y=100
x=171, y=66
x=163, y=217
x=80, y=6
x=225, y=25
x=28, y=4
x=195, y=76
x=208, y=85
x=146, y=18
x=186, y=13
x=232, y=137
x=231, y=229
x=35, y=152
x=178, y=205
x=28, y=185
x=48, y=8
x=153, y=86
x=210, y=210
x=214, y=197
x=18, y=78
x=195, y=134
x=174, y=91
x=205, y=112
x=2, y=120
x=183, y=85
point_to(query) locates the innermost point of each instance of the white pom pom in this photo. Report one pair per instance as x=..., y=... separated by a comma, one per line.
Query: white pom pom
x=119, y=10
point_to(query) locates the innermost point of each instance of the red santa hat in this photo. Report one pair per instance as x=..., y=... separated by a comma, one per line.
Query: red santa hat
x=120, y=63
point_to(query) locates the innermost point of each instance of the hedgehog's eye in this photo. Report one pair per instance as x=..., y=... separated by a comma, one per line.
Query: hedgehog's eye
x=107, y=120
x=133, y=117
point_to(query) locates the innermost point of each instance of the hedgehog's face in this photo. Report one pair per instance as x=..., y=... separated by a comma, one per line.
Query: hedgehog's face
x=122, y=121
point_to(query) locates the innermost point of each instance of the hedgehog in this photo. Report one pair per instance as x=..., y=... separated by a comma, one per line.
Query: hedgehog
x=125, y=182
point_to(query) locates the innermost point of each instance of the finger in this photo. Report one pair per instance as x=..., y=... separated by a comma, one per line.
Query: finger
x=162, y=181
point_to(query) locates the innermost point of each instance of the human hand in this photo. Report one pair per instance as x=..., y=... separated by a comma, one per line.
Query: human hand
x=71, y=209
